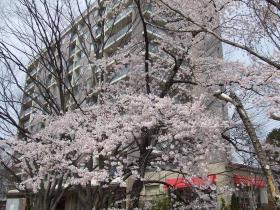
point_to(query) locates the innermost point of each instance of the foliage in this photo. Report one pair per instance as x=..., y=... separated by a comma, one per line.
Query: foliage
x=234, y=202
x=273, y=137
x=161, y=203
x=223, y=205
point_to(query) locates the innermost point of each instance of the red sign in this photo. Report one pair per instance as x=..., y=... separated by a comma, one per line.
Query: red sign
x=249, y=181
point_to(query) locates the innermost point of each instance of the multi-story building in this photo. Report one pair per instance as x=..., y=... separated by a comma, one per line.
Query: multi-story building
x=80, y=45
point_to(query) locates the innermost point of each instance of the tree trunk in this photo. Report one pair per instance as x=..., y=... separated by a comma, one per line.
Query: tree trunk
x=261, y=156
x=135, y=194
x=40, y=202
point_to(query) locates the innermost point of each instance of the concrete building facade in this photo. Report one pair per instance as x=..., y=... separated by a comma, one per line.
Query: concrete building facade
x=79, y=54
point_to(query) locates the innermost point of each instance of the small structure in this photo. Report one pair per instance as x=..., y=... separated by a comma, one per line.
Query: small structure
x=234, y=184
x=15, y=200
x=250, y=187
x=4, y=186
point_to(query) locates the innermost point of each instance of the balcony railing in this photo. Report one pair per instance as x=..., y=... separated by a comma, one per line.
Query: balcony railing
x=119, y=17
x=72, y=50
x=155, y=31
x=26, y=112
x=148, y=7
x=77, y=63
x=121, y=74
x=26, y=125
x=49, y=82
x=33, y=72
x=70, y=65
x=73, y=36
x=113, y=5
x=26, y=99
x=153, y=48
x=119, y=35
x=29, y=86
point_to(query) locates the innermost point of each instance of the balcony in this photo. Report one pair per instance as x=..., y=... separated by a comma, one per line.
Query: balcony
x=119, y=17
x=76, y=76
x=77, y=64
x=156, y=31
x=153, y=48
x=70, y=64
x=33, y=72
x=26, y=100
x=96, y=31
x=118, y=36
x=67, y=81
x=29, y=86
x=113, y=5
x=72, y=49
x=26, y=113
x=49, y=82
x=120, y=75
x=39, y=97
x=116, y=2
x=148, y=7
x=27, y=125
x=73, y=37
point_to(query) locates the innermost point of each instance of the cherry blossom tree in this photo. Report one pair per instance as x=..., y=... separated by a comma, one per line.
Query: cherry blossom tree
x=37, y=38
x=163, y=112
x=147, y=125
x=251, y=26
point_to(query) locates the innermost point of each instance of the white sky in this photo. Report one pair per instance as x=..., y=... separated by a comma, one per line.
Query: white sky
x=266, y=124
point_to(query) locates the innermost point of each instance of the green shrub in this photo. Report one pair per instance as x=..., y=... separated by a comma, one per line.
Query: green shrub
x=234, y=202
x=224, y=206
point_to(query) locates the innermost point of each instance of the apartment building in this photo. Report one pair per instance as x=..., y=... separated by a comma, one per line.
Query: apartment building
x=77, y=49
x=88, y=38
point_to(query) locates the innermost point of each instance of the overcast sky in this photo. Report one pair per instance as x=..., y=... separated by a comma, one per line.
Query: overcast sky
x=266, y=124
